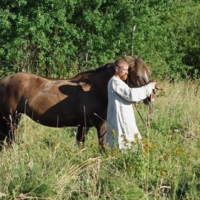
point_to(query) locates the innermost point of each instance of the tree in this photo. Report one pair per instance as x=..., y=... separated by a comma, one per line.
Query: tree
x=61, y=38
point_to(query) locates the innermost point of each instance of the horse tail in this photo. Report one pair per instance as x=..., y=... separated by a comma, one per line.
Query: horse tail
x=3, y=125
x=3, y=130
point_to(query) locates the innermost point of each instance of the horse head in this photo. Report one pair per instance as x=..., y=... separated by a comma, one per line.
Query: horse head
x=138, y=74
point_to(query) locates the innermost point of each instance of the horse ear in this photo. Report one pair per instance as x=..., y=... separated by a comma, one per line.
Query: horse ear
x=139, y=57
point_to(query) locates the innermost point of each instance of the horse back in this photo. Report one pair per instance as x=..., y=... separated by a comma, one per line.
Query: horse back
x=45, y=100
x=17, y=88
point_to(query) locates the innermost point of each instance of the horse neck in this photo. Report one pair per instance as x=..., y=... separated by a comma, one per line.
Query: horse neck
x=101, y=78
x=97, y=78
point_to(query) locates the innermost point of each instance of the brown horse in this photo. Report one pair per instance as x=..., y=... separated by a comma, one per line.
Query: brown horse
x=80, y=101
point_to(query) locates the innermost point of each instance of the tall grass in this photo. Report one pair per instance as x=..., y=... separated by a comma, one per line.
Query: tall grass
x=47, y=164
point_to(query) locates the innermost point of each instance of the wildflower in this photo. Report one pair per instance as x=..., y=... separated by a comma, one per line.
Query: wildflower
x=123, y=135
x=56, y=145
x=178, y=151
x=133, y=142
x=113, y=131
x=163, y=173
x=126, y=141
x=164, y=155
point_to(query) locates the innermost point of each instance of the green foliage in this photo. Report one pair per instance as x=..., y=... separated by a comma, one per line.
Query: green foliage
x=61, y=38
x=189, y=18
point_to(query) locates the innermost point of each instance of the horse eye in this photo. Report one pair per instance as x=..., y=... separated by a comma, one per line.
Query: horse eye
x=138, y=76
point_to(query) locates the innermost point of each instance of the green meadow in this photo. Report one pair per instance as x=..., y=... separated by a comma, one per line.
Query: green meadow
x=46, y=163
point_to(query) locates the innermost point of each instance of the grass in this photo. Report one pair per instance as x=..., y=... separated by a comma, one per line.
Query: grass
x=47, y=164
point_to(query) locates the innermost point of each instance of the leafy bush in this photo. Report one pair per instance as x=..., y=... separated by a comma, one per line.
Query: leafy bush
x=60, y=39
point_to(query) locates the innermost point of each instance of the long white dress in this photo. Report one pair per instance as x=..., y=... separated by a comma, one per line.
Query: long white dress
x=121, y=125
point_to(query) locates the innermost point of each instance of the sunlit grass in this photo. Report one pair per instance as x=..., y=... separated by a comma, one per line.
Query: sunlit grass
x=47, y=163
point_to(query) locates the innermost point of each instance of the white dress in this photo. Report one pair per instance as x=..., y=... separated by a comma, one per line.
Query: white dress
x=121, y=125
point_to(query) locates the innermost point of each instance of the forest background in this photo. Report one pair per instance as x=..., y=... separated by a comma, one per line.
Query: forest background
x=59, y=38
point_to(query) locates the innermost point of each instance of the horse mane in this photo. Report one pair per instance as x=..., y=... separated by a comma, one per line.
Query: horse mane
x=99, y=69
x=135, y=64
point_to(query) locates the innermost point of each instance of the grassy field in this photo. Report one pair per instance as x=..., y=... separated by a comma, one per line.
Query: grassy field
x=47, y=164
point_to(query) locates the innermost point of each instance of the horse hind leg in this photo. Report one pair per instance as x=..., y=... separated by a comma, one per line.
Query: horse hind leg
x=8, y=127
x=13, y=126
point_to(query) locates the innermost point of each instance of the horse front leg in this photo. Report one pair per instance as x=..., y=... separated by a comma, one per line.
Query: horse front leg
x=102, y=135
x=81, y=133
